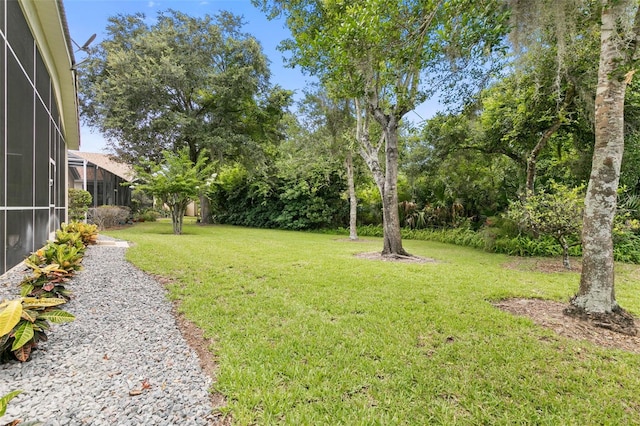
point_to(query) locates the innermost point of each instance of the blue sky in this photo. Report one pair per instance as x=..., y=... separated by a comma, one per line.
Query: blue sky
x=86, y=17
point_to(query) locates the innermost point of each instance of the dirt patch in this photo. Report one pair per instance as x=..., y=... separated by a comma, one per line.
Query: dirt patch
x=375, y=255
x=550, y=265
x=550, y=314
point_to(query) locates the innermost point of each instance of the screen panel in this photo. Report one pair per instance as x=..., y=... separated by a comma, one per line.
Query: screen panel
x=19, y=36
x=41, y=230
x=19, y=137
x=42, y=156
x=19, y=241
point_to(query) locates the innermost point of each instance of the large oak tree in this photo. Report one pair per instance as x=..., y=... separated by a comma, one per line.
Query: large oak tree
x=199, y=83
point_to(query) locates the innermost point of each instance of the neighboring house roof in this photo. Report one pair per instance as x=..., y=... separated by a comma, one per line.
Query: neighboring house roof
x=105, y=161
x=49, y=27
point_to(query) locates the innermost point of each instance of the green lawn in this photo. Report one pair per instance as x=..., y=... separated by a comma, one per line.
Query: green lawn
x=307, y=334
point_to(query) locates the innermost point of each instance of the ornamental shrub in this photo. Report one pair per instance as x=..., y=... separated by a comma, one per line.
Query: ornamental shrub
x=79, y=202
x=109, y=216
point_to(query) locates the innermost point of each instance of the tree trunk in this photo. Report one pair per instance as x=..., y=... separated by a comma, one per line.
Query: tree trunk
x=565, y=253
x=205, y=210
x=392, y=236
x=387, y=179
x=353, y=201
x=178, y=211
x=535, y=153
x=596, y=294
x=542, y=142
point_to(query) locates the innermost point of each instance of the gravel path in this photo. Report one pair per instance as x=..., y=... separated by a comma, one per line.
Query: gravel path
x=90, y=370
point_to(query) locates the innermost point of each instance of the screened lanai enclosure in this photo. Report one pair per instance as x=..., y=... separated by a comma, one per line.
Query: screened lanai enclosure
x=38, y=122
x=102, y=177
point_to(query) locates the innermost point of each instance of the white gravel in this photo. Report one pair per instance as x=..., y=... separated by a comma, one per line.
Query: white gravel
x=124, y=334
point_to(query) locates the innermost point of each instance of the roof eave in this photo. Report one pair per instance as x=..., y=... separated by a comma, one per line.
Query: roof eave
x=50, y=30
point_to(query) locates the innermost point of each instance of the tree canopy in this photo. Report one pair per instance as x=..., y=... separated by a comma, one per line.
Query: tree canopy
x=199, y=83
x=176, y=181
x=380, y=53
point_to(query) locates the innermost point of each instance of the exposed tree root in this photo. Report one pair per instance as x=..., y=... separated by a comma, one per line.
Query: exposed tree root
x=619, y=320
x=394, y=258
x=398, y=256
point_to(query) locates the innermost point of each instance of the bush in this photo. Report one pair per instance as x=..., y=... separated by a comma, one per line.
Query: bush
x=556, y=214
x=148, y=215
x=54, y=264
x=88, y=232
x=498, y=240
x=23, y=323
x=109, y=216
x=79, y=202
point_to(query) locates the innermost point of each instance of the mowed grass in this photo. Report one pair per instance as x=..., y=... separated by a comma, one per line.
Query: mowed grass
x=305, y=333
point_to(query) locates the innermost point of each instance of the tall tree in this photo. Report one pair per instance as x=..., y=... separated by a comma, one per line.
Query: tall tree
x=335, y=118
x=619, y=38
x=199, y=83
x=618, y=22
x=378, y=52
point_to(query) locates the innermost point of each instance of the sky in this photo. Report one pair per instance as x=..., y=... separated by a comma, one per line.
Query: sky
x=88, y=17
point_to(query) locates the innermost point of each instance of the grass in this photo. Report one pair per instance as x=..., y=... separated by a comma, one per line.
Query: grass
x=307, y=334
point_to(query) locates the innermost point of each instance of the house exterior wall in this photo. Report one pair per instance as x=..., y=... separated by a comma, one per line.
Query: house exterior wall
x=35, y=123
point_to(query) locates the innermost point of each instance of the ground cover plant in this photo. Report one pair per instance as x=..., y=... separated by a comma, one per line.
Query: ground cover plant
x=305, y=332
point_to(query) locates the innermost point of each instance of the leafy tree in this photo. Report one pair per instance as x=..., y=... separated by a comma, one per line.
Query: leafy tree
x=199, y=83
x=443, y=171
x=618, y=22
x=557, y=214
x=377, y=52
x=176, y=181
x=620, y=33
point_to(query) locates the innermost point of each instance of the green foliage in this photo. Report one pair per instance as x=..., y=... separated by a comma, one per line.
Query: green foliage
x=312, y=203
x=176, y=181
x=46, y=280
x=68, y=257
x=503, y=239
x=626, y=228
x=23, y=323
x=69, y=237
x=524, y=245
x=53, y=265
x=557, y=213
x=146, y=215
x=79, y=202
x=51, y=268
x=311, y=198
x=443, y=171
x=88, y=232
x=626, y=248
x=4, y=400
x=109, y=216
x=177, y=82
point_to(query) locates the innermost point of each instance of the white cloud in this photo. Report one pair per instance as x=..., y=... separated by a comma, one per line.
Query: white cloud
x=151, y=4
